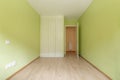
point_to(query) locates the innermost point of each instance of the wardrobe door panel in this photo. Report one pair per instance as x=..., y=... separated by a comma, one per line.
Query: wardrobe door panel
x=52, y=36
x=44, y=38
x=60, y=37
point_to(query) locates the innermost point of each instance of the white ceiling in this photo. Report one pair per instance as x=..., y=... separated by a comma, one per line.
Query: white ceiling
x=68, y=8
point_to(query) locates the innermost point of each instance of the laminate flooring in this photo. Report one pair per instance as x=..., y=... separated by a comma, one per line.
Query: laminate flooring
x=67, y=68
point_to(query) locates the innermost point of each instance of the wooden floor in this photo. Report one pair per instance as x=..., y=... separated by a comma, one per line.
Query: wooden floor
x=67, y=68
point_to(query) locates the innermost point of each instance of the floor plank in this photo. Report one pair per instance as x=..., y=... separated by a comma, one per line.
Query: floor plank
x=67, y=68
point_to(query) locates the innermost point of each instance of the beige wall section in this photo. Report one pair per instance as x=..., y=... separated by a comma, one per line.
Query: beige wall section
x=52, y=36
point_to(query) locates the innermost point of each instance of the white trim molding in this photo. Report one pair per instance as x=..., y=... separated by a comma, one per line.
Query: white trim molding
x=70, y=25
x=77, y=39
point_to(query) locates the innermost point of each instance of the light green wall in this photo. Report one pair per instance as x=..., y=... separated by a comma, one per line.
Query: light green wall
x=100, y=36
x=70, y=21
x=19, y=23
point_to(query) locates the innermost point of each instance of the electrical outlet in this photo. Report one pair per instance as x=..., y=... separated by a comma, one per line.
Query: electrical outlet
x=12, y=64
x=6, y=67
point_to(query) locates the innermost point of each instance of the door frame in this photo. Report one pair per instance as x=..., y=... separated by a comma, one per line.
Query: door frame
x=77, y=36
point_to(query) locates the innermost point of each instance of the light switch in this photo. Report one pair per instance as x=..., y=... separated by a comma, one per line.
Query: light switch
x=7, y=41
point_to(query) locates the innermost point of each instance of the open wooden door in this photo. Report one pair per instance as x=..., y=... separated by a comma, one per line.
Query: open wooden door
x=71, y=39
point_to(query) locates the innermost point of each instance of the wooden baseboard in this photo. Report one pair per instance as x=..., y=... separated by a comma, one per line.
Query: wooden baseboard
x=22, y=68
x=96, y=68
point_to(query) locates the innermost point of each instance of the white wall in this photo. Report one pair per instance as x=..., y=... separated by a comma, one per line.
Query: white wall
x=52, y=36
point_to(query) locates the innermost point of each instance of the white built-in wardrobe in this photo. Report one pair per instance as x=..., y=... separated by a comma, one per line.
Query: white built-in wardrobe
x=52, y=36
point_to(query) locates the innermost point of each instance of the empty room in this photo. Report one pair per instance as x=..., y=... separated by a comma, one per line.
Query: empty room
x=59, y=39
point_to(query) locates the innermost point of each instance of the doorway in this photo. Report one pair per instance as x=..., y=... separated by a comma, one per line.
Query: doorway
x=71, y=40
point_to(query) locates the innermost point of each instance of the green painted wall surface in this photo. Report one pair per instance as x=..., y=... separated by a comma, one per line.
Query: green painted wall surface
x=70, y=21
x=20, y=24
x=100, y=36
